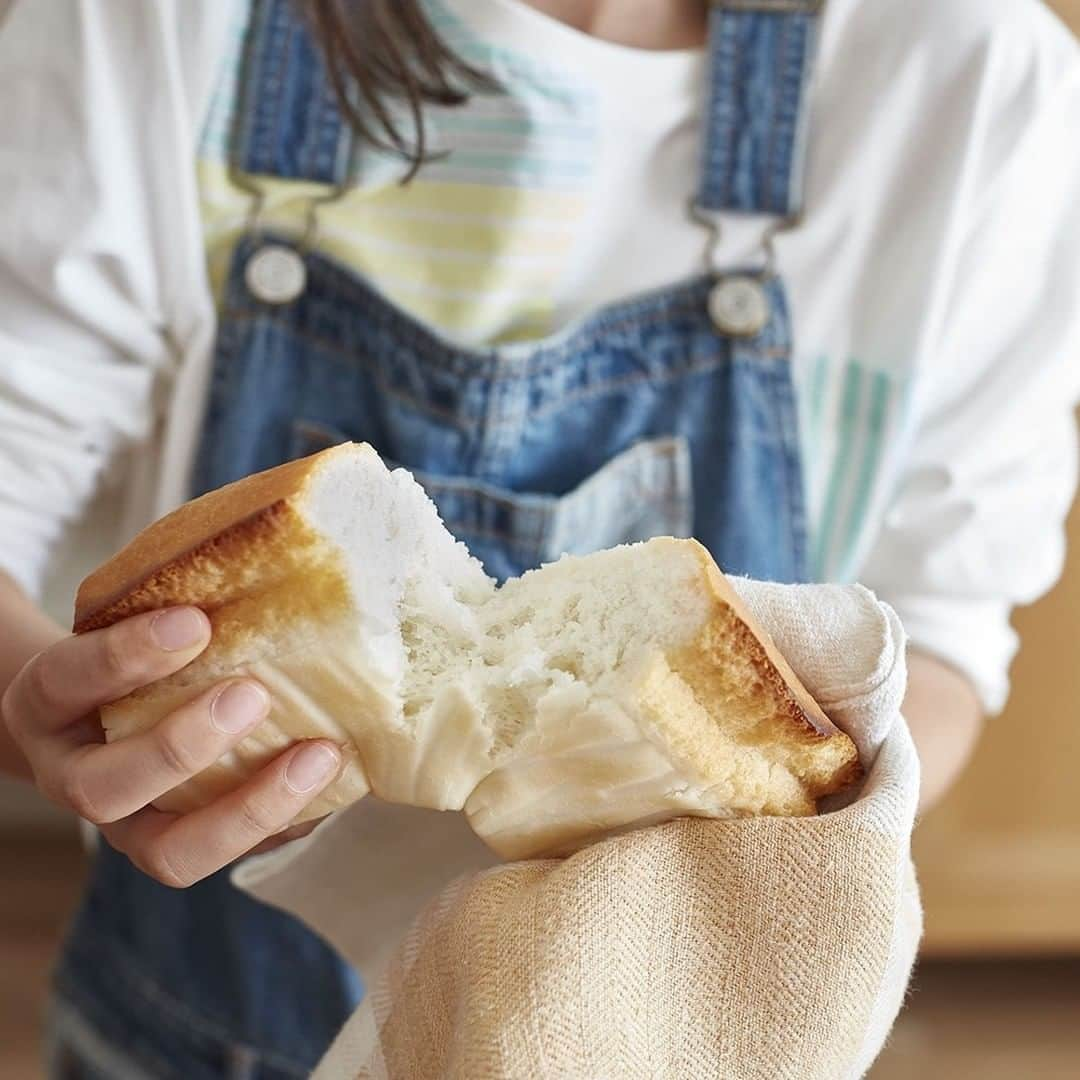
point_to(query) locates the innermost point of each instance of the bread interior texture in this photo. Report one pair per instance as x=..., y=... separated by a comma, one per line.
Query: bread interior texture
x=591, y=695
x=581, y=696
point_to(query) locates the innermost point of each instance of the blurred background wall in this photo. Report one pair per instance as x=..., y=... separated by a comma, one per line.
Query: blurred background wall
x=999, y=861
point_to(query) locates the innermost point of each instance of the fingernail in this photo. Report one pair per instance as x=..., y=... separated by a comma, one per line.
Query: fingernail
x=178, y=629
x=311, y=766
x=238, y=707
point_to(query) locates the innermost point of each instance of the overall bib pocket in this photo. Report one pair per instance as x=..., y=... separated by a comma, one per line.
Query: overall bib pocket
x=645, y=491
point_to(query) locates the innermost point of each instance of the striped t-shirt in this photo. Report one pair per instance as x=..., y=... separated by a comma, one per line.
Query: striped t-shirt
x=517, y=224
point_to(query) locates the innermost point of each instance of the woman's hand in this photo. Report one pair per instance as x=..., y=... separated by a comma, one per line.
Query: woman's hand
x=50, y=711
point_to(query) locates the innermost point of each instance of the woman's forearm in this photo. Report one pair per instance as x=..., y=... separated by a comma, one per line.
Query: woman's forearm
x=945, y=719
x=25, y=630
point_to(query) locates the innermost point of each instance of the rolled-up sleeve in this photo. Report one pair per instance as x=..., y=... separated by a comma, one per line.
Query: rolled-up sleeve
x=976, y=522
x=90, y=96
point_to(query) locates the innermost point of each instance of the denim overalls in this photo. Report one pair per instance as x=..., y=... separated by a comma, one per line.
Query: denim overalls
x=671, y=412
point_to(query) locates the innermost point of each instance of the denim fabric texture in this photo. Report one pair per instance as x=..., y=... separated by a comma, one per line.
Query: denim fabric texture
x=640, y=420
x=755, y=126
x=288, y=119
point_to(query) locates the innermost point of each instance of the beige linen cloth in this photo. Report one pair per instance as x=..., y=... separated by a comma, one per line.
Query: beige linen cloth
x=761, y=948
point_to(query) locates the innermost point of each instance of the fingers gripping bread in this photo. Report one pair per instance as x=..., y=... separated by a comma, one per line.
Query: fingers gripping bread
x=585, y=697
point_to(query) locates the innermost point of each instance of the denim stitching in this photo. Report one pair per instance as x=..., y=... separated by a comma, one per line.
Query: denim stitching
x=637, y=313
x=491, y=494
x=275, y=152
x=723, y=111
x=261, y=153
x=690, y=297
x=798, y=96
x=769, y=179
x=327, y=127
x=750, y=156
x=240, y=121
x=534, y=365
x=570, y=398
x=460, y=528
x=804, y=116
x=610, y=385
x=319, y=435
x=710, y=153
x=454, y=420
x=794, y=506
x=538, y=518
x=310, y=143
x=733, y=59
x=259, y=84
x=797, y=48
x=653, y=496
x=248, y=140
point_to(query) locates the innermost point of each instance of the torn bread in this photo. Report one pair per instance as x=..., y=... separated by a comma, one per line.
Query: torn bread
x=589, y=696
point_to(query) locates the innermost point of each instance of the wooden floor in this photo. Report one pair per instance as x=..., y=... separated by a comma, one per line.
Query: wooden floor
x=1014, y=1020
x=995, y=1021
x=39, y=883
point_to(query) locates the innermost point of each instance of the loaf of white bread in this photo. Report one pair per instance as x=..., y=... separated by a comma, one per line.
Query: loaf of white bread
x=586, y=697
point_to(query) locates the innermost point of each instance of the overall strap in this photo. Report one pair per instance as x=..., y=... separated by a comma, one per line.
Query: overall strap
x=761, y=56
x=288, y=123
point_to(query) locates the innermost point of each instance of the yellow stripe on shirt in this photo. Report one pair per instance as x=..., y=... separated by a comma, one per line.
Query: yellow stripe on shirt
x=480, y=263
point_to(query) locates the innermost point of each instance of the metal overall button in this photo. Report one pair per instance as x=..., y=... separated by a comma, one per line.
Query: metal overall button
x=739, y=306
x=276, y=274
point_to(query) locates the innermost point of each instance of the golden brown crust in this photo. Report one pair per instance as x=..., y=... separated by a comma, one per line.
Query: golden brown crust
x=768, y=658
x=273, y=587
x=179, y=559
x=806, y=720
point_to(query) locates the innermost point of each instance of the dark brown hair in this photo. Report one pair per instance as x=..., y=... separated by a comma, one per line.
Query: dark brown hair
x=381, y=51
